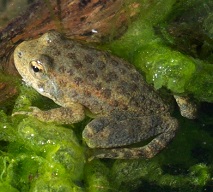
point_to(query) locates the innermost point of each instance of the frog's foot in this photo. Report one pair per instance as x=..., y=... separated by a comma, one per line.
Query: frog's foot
x=60, y=115
x=187, y=107
x=111, y=132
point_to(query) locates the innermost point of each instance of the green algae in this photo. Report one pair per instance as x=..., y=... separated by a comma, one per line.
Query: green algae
x=98, y=177
x=38, y=157
x=181, y=64
x=165, y=67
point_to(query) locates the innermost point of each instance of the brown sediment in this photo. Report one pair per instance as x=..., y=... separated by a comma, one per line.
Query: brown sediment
x=6, y=91
x=91, y=20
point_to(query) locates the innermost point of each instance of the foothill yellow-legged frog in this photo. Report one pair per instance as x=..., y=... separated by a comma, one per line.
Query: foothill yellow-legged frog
x=79, y=78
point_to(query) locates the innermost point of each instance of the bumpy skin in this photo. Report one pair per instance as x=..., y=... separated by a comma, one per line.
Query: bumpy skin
x=127, y=110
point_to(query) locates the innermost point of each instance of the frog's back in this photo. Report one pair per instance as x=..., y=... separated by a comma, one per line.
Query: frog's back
x=103, y=82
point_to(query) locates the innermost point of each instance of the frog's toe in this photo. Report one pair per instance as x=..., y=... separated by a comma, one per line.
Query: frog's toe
x=20, y=113
x=28, y=113
x=188, y=108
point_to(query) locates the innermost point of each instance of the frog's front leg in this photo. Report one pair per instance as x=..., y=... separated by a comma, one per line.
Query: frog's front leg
x=62, y=115
x=114, y=132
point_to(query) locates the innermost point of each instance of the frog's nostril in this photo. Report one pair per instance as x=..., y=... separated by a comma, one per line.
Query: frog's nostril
x=20, y=54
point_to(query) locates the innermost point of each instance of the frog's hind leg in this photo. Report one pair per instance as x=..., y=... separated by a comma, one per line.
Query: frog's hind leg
x=109, y=136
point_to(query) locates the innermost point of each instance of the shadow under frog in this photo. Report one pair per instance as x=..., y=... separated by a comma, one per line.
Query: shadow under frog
x=78, y=78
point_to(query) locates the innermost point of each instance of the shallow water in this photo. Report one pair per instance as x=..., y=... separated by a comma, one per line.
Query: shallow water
x=185, y=165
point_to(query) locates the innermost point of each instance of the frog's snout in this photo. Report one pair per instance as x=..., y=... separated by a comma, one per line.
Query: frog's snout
x=18, y=57
x=19, y=51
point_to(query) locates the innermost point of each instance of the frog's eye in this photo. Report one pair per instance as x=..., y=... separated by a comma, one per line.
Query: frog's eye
x=37, y=69
x=36, y=66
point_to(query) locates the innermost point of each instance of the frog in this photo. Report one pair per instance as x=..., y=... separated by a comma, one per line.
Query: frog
x=85, y=81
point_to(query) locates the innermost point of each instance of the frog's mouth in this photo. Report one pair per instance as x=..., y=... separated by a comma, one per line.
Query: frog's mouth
x=26, y=81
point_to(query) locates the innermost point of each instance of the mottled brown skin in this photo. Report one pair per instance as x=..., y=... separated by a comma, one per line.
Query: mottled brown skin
x=79, y=78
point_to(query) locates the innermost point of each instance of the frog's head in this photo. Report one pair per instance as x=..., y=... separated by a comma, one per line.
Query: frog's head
x=35, y=65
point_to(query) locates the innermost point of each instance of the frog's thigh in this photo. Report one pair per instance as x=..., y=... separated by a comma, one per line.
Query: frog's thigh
x=63, y=115
x=110, y=132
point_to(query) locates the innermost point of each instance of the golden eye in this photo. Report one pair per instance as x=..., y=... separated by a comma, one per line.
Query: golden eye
x=36, y=66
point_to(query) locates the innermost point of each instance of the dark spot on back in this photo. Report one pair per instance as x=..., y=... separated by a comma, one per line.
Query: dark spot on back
x=98, y=86
x=68, y=45
x=136, y=101
x=135, y=77
x=100, y=65
x=56, y=52
x=111, y=76
x=71, y=55
x=78, y=81
x=87, y=93
x=124, y=107
x=122, y=70
x=148, y=103
x=119, y=116
x=77, y=65
x=70, y=72
x=106, y=93
x=128, y=65
x=92, y=74
x=114, y=63
x=133, y=87
x=115, y=103
x=88, y=58
x=141, y=98
x=123, y=88
x=62, y=82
